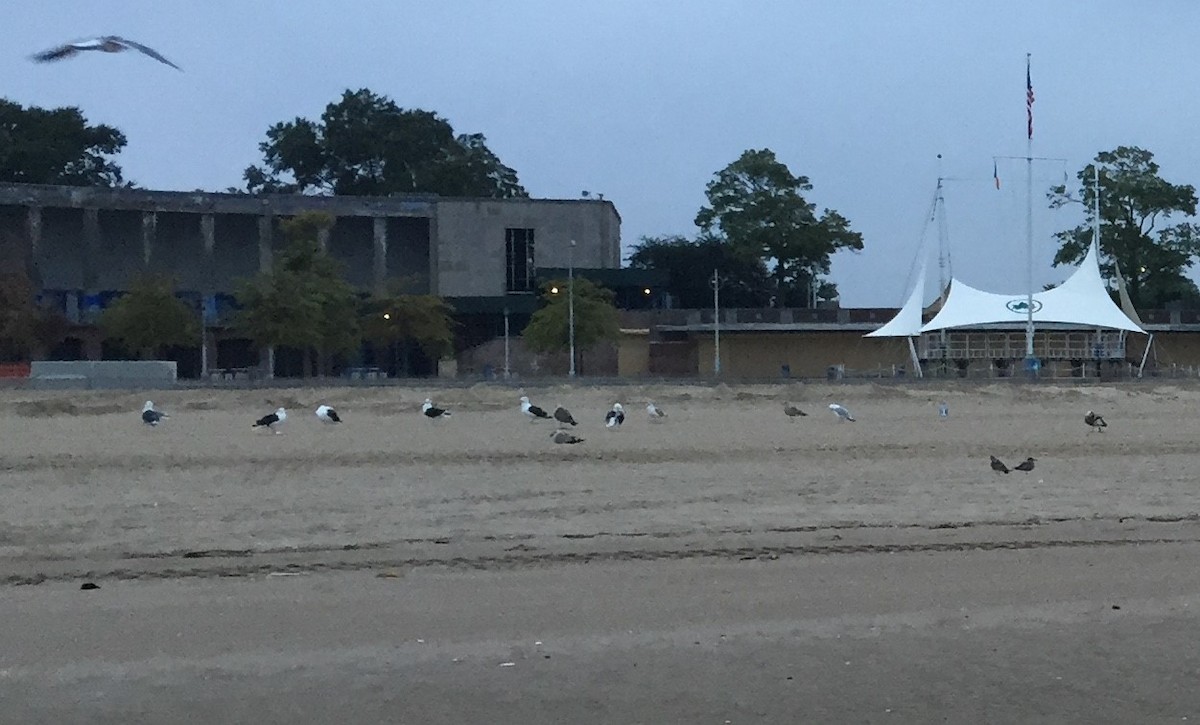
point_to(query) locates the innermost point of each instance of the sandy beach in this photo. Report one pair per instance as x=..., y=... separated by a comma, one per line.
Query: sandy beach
x=279, y=566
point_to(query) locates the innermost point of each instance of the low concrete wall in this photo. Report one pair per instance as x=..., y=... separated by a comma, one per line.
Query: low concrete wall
x=102, y=375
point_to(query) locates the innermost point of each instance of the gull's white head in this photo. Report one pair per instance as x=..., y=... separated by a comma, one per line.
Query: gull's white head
x=148, y=406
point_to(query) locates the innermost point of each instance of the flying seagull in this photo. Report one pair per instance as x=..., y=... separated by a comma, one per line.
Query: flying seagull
x=150, y=416
x=270, y=420
x=562, y=415
x=655, y=412
x=532, y=411
x=429, y=410
x=326, y=414
x=565, y=437
x=105, y=44
x=998, y=465
x=1095, y=421
x=792, y=411
x=1025, y=465
x=841, y=412
x=615, y=417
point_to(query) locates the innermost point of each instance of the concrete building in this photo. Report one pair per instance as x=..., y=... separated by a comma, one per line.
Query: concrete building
x=82, y=246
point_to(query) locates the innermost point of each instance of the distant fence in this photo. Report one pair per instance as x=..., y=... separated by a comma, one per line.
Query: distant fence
x=102, y=375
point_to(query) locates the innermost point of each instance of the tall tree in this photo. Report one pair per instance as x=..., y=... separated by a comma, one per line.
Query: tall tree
x=305, y=302
x=401, y=318
x=149, y=317
x=56, y=146
x=366, y=145
x=25, y=328
x=596, y=317
x=758, y=206
x=1136, y=208
x=689, y=266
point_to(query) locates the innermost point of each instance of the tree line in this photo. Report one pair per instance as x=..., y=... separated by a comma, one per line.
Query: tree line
x=769, y=241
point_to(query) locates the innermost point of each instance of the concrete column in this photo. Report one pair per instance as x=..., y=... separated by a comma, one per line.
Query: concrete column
x=380, y=267
x=149, y=233
x=323, y=237
x=266, y=234
x=434, y=259
x=91, y=244
x=208, y=232
x=33, y=224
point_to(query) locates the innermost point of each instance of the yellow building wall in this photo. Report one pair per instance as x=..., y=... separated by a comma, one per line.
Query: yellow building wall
x=633, y=353
x=808, y=354
x=1169, y=348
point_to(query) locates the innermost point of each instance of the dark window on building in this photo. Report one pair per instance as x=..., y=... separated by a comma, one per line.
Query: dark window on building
x=519, y=257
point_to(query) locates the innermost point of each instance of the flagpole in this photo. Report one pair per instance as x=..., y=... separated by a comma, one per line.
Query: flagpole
x=1029, y=216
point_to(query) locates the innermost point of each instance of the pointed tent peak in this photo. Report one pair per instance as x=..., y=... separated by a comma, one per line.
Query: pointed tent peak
x=940, y=302
x=1123, y=295
x=907, y=322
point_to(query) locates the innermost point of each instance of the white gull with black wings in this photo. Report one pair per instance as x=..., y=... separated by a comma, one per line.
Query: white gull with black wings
x=150, y=416
x=270, y=420
x=532, y=411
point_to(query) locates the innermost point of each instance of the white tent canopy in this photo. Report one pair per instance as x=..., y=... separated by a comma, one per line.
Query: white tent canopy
x=1081, y=300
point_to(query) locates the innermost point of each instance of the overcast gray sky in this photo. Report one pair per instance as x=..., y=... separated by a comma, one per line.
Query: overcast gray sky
x=644, y=101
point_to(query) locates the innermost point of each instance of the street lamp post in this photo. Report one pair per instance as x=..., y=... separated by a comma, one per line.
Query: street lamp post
x=571, y=304
x=716, y=285
x=507, y=373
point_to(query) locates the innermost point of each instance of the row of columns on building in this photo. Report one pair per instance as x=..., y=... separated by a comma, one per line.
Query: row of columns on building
x=266, y=235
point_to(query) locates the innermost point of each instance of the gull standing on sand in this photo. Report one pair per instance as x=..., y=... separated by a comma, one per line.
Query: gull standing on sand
x=792, y=411
x=615, y=417
x=532, y=411
x=271, y=420
x=1095, y=421
x=998, y=465
x=429, y=410
x=841, y=412
x=561, y=436
x=1025, y=465
x=327, y=414
x=562, y=415
x=150, y=416
x=656, y=414
x=105, y=44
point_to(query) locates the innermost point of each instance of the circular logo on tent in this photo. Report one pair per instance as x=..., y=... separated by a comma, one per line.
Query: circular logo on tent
x=1022, y=306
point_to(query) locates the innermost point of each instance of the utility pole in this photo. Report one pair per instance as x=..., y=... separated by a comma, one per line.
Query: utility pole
x=571, y=304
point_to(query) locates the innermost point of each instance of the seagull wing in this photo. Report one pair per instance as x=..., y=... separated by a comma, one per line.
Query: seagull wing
x=63, y=51
x=144, y=49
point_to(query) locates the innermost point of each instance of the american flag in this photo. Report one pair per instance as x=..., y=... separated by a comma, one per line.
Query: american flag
x=1028, y=98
